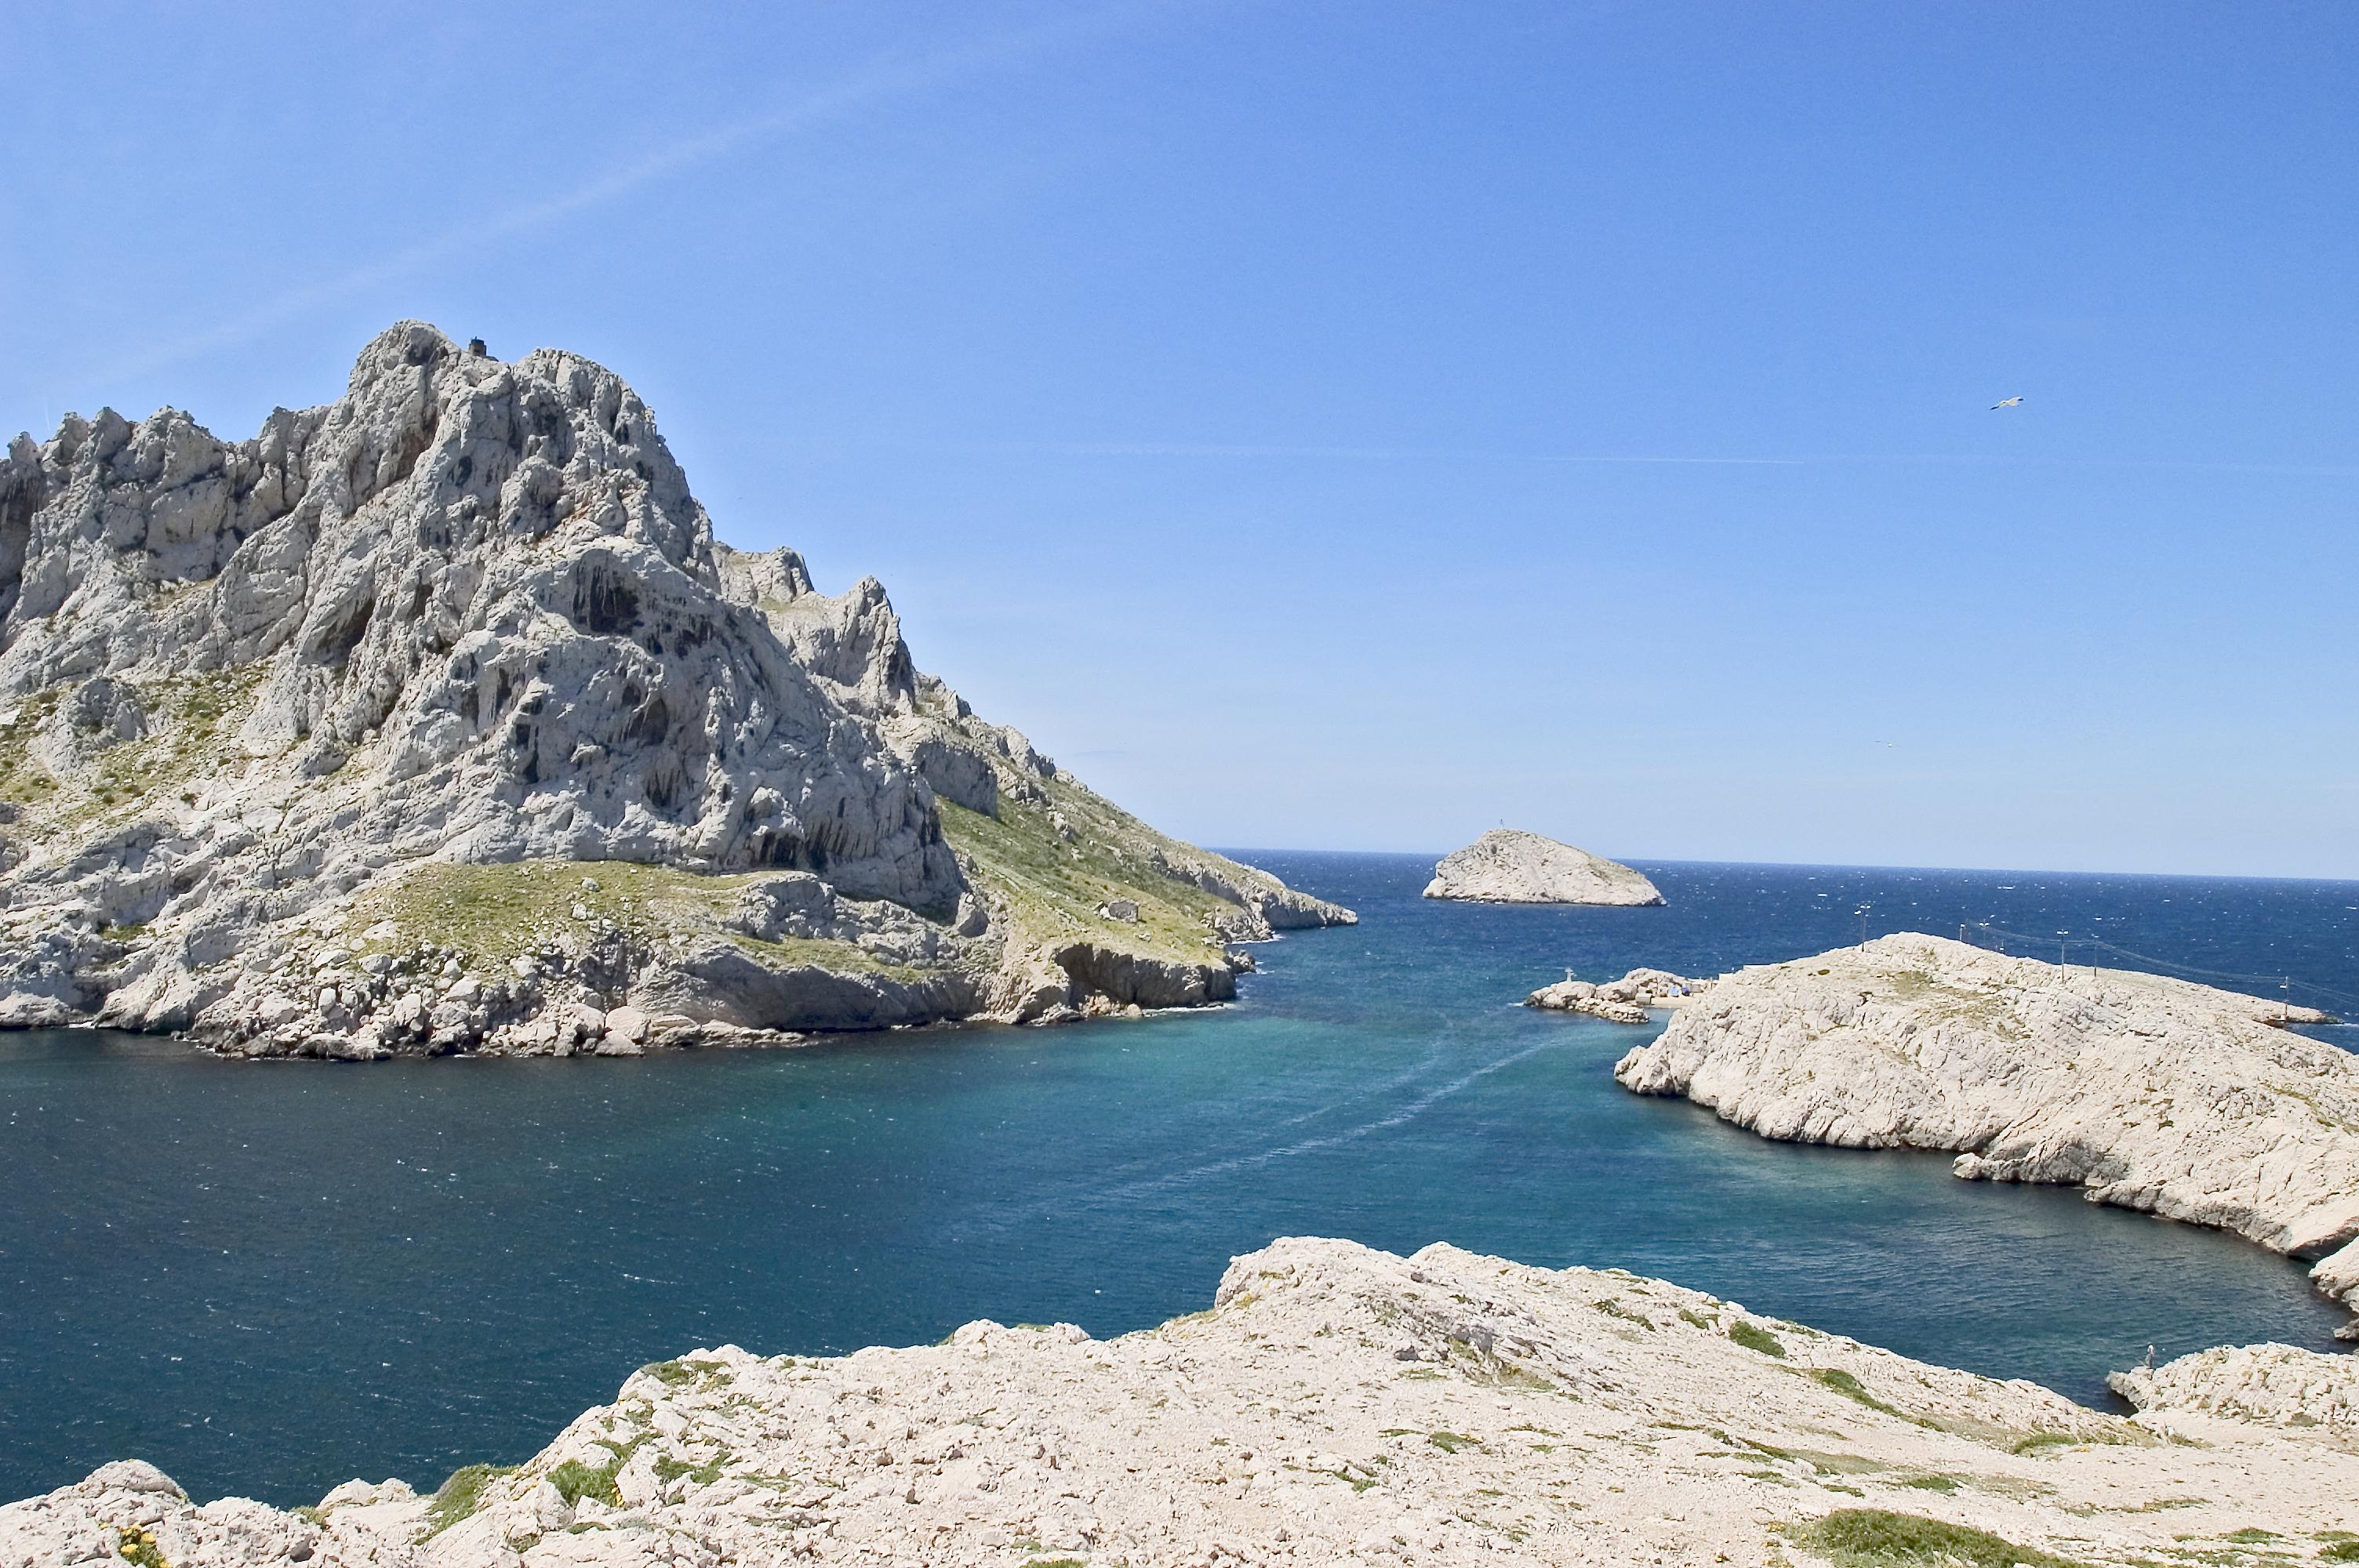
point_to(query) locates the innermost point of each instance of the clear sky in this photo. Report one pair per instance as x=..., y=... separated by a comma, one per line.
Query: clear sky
x=1357, y=425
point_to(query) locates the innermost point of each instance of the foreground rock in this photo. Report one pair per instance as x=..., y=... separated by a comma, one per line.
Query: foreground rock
x=1337, y=1406
x=1505, y=866
x=2275, y=1385
x=435, y=719
x=1626, y=1000
x=2153, y=1094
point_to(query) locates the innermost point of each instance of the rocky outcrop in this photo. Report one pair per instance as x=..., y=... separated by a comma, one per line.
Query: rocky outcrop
x=1626, y=1000
x=2275, y=1385
x=1505, y=866
x=1336, y=1405
x=2153, y=1094
x=437, y=719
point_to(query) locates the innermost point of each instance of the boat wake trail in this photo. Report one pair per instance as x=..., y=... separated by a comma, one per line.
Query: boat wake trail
x=1403, y=1115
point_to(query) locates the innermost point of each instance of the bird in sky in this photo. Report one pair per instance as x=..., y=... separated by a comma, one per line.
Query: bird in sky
x=2006, y=403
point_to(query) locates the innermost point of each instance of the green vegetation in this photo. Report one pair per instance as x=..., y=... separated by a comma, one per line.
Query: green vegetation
x=2347, y=1551
x=680, y=1374
x=1851, y=1388
x=501, y=912
x=1943, y=1484
x=1616, y=1309
x=1754, y=1338
x=458, y=1497
x=1696, y=1319
x=668, y=1469
x=1877, y=1537
x=1052, y=886
x=188, y=717
x=574, y=1481
x=1451, y=1442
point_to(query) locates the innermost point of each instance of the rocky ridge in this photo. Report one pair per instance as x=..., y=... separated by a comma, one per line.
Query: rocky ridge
x=1336, y=1405
x=1507, y=866
x=2149, y=1093
x=436, y=719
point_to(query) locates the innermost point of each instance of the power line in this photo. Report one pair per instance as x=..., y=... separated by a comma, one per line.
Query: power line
x=2280, y=979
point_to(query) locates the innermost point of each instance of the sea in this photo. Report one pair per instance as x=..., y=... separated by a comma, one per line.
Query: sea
x=270, y=1277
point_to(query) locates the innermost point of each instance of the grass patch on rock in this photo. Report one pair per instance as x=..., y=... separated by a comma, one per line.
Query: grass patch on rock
x=496, y=912
x=458, y=1497
x=1878, y=1538
x=1052, y=886
x=1754, y=1338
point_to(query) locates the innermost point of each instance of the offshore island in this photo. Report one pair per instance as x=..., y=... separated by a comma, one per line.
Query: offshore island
x=436, y=721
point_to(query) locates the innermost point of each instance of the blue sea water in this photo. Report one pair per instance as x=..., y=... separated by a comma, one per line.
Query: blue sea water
x=269, y=1277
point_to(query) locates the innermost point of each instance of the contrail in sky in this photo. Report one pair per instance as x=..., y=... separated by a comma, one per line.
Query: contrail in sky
x=1470, y=454
x=882, y=81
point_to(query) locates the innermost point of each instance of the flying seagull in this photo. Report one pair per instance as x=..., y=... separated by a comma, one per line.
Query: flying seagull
x=2006, y=403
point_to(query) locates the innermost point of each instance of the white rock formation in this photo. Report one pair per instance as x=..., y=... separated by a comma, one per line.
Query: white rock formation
x=1626, y=1000
x=1505, y=866
x=289, y=727
x=1337, y=1406
x=2277, y=1385
x=2153, y=1094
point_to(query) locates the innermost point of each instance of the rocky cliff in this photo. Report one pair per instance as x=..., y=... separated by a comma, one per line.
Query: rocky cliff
x=1336, y=1405
x=436, y=719
x=2150, y=1093
x=1505, y=866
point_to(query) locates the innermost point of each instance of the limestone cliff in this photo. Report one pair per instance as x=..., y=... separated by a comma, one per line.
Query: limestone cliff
x=437, y=719
x=1506, y=866
x=2150, y=1093
x=1336, y=1405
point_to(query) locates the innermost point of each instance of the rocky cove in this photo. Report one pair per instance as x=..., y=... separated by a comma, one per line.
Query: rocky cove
x=580, y=1219
x=435, y=719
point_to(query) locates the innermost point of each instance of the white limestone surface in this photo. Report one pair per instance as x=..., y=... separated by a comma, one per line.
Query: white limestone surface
x=2186, y=1101
x=436, y=719
x=2278, y=1385
x=1336, y=1405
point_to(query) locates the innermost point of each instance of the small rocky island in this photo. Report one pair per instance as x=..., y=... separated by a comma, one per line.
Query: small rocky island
x=436, y=719
x=1507, y=866
x=1626, y=1000
x=1336, y=1405
x=2150, y=1093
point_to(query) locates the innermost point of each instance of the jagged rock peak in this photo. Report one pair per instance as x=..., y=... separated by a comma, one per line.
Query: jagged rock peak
x=470, y=613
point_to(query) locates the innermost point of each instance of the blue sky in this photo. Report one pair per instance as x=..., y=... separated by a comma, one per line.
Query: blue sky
x=1354, y=426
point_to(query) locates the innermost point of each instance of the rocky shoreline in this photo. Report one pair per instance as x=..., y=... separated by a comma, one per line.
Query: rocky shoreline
x=1336, y=1405
x=435, y=719
x=2153, y=1094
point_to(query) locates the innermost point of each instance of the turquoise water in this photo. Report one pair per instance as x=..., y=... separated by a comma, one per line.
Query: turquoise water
x=268, y=1277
